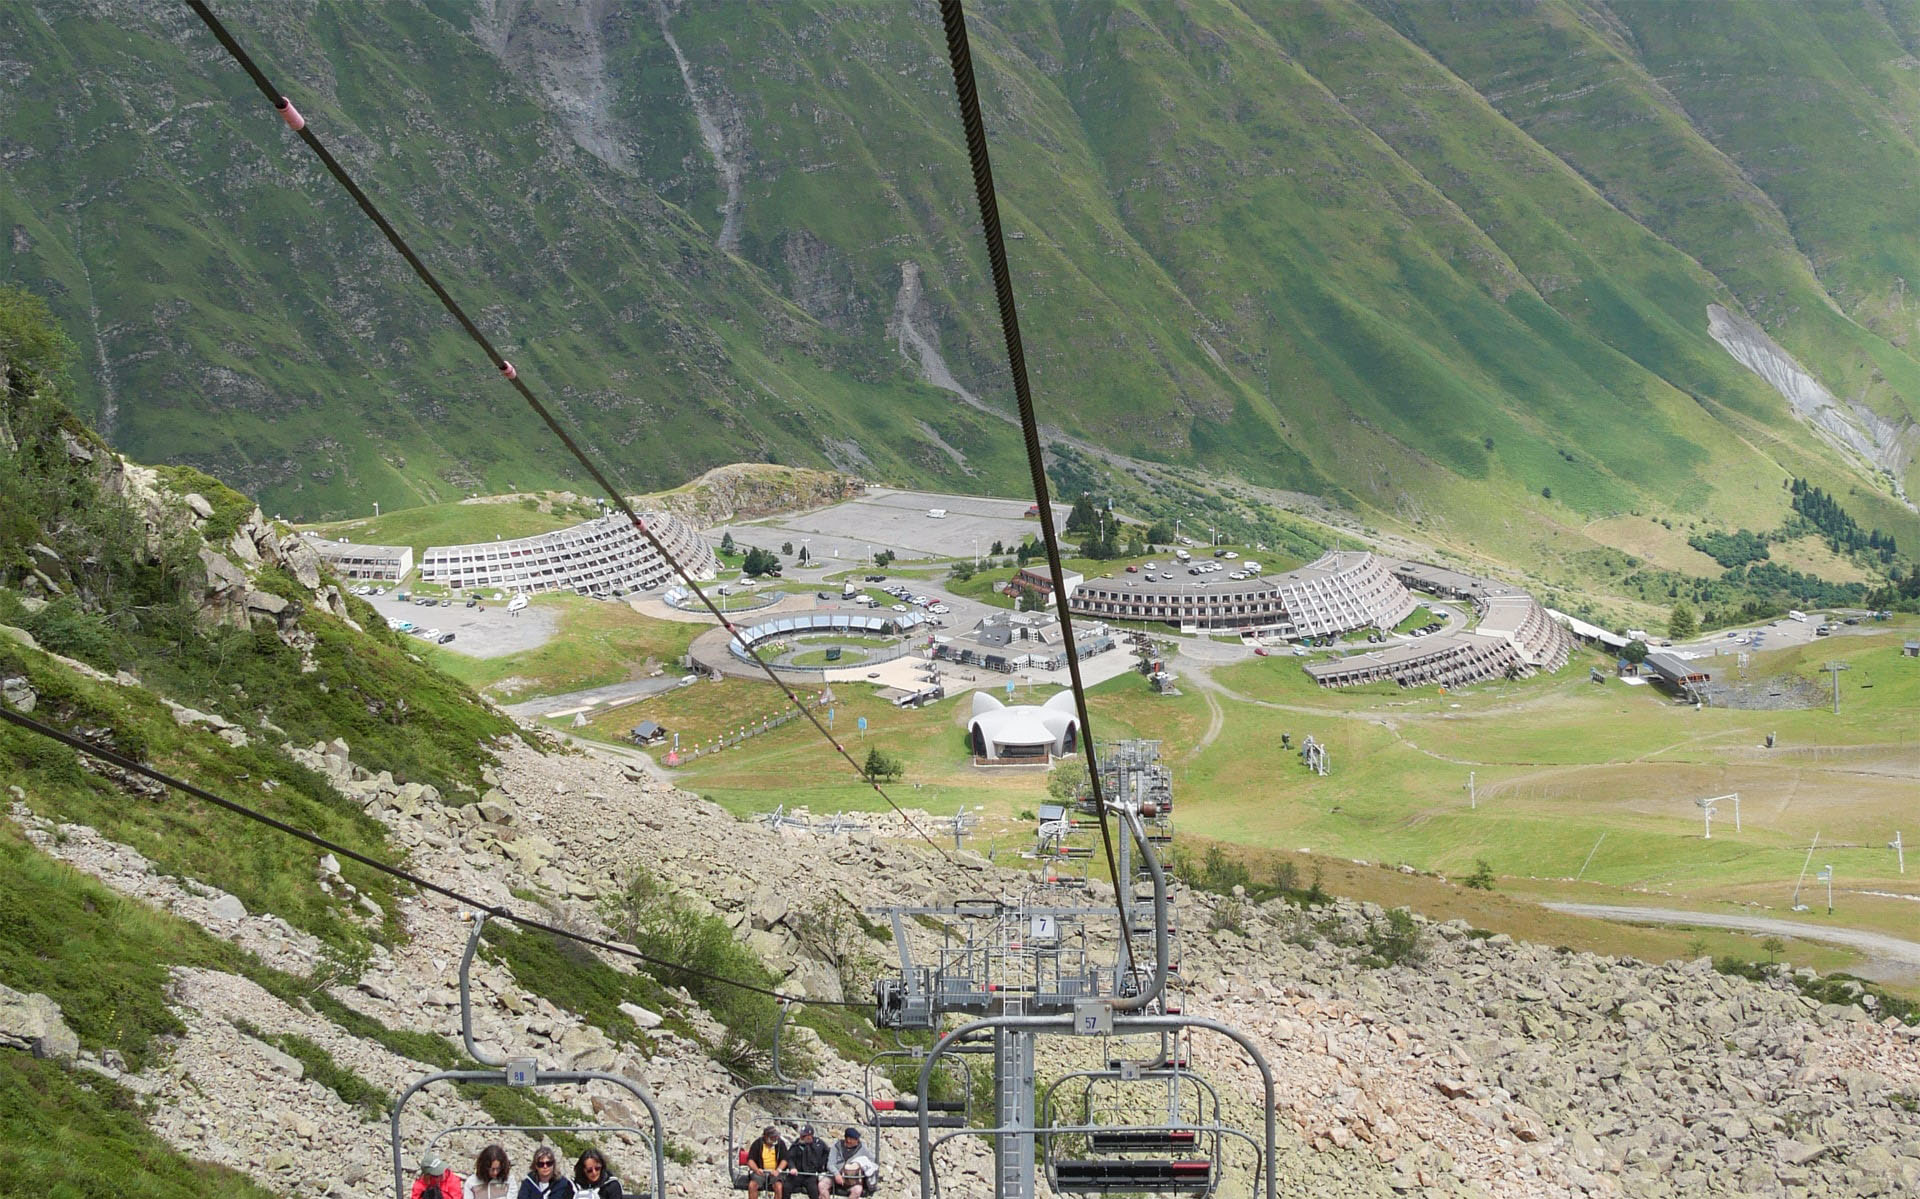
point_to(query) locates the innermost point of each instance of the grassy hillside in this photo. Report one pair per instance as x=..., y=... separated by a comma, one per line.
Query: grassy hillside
x=1450, y=267
x=120, y=589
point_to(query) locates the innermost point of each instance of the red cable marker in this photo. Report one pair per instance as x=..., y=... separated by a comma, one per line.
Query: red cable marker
x=290, y=114
x=506, y=368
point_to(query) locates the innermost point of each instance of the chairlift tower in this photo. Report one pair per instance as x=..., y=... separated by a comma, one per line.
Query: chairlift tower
x=1015, y=969
x=1834, y=669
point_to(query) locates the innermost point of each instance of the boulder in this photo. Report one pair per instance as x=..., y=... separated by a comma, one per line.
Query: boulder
x=640, y=1016
x=31, y=1021
x=227, y=908
x=18, y=693
x=266, y=603
x=199, y=504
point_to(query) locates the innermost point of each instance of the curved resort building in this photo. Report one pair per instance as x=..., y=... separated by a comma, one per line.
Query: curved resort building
x=1334, y=594
x=1514, y=637
x=605, y=556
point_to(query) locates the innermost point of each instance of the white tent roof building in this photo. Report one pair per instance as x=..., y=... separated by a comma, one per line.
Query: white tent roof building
x=1024, y=730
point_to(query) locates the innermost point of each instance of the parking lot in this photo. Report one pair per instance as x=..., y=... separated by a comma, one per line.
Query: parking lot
x=483, y=631
x=885, y=519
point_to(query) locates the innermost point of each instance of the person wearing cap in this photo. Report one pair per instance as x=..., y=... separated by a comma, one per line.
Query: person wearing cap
x=763, y=1160
x=805, y=1171
x=851, y=1168
x=436, y=1181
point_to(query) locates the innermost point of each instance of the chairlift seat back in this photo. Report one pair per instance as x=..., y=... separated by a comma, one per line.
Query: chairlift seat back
x=1144, y=1140
x=1133, y=1176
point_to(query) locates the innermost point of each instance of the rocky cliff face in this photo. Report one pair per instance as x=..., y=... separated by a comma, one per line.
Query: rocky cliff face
x=747, y=490
x=233, y=545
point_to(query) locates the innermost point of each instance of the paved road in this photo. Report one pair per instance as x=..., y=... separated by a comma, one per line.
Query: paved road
x=1892, y=950
x=593, y=696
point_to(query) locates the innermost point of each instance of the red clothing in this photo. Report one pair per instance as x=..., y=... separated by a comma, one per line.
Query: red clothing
x=449, y=1186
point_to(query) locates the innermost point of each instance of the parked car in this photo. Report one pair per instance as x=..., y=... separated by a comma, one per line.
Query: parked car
x=1133, y=570
x=443, y=638
x=899, y=607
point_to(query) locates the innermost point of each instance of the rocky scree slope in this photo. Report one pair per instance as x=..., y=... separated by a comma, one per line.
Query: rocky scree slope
x=1491, y=1068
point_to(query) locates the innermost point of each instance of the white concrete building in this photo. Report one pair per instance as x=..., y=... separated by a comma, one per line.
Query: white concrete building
x=1032, y=731
x=353, y=560
x=605, y=556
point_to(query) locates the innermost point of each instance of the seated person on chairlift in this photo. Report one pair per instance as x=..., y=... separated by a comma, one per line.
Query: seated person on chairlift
x=852, y=1169
x=492, y=1176
x=436, y=1181
x=544, y=1180
x=804, y=1173
x=764, y=1159
x=592, y=1179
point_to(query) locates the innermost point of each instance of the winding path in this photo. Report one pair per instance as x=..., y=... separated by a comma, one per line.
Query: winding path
x=1903, y=955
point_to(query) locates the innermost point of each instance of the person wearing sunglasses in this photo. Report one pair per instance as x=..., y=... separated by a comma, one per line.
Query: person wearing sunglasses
x=593, y=1180
x=544, y=1180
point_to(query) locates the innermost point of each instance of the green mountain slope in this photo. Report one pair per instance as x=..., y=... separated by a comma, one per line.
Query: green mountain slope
x=1446, y=264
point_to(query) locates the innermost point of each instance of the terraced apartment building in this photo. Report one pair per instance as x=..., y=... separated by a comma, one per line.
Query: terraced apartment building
x=1515, y=637
x=604, y=556
x=1336, y=593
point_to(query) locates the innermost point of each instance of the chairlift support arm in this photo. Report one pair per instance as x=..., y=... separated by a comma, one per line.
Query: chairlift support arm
x=1063, y=1026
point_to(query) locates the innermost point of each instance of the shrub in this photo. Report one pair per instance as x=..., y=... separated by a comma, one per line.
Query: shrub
x=1482, y=877
x=1398, y=942
x=662, y=924
x=1229, y=915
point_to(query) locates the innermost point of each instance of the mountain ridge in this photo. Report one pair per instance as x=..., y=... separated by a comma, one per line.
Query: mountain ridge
x=1415, y=265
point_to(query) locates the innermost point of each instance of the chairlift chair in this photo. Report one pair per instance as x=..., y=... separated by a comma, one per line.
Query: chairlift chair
x=849, y=1109
x=521, y=1072
x=1110, y=1151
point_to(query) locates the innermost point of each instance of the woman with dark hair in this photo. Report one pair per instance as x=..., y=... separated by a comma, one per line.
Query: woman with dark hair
x=544, y=1180
x=492, y=1176
x=593, y=1180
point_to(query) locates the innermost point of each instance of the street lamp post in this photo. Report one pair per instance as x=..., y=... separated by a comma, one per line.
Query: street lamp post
x=1826, y=876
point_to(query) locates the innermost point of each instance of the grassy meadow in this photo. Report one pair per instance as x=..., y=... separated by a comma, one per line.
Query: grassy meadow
x=1581, y=792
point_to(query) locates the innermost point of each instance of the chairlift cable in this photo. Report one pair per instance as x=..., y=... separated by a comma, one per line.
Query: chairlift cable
x=954, y=17
x=493, y=911
x=298, y=123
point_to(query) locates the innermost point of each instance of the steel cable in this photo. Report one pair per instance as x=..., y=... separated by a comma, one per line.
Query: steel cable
x=496, y=911
x=298, y=123
x=960, y=55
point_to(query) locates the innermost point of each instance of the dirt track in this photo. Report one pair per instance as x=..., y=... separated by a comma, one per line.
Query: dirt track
x=1890, y=958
